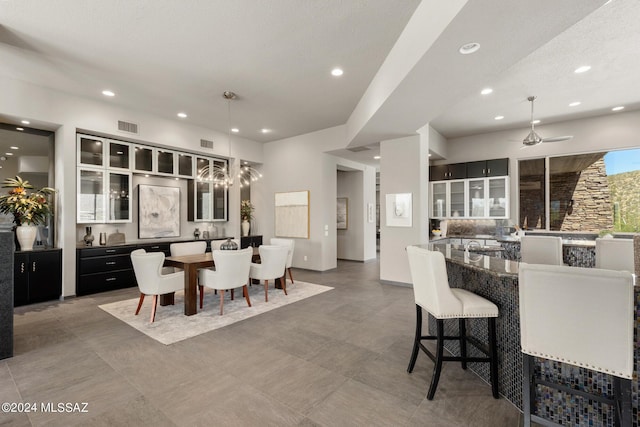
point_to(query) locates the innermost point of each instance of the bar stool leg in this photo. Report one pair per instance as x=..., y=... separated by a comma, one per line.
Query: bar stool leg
x=416, y=340
x=439, y=354
x=493, y=354
x=462, y=330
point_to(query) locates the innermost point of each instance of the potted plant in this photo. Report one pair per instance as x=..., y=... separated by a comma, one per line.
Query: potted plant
x=29, y=209
x=246, y=214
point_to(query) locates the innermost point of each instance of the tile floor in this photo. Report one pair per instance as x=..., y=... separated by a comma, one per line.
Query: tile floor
x=337, y=359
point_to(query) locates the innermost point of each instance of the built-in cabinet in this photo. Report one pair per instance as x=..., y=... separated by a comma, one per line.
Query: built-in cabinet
x=445, y=172
x=37, y=276
x=480, y=194
x=105, y=171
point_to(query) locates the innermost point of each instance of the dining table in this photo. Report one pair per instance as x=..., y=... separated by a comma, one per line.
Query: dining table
x=190, y=264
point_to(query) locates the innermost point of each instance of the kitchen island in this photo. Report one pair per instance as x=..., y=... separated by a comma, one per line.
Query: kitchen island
x=497, y=280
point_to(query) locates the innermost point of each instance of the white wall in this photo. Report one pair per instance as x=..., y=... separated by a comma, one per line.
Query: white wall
x=66, y=114
x=403, y=169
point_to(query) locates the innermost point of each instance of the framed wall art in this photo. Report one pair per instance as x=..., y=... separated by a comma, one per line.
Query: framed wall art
x=399, y=210
x=158, y=211
x=292, y=214
x=343, y=213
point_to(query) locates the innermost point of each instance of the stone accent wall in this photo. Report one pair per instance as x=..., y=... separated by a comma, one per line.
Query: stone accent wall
x=583, y=200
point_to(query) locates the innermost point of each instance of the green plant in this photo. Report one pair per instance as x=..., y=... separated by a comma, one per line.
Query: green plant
x=246, y=210
x=26, y=208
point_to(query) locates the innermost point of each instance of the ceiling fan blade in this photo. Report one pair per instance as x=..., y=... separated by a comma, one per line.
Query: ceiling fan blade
x=557, y=138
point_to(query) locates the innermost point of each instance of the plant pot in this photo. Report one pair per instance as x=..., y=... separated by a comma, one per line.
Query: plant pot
x=26, y=235
x=245, y=226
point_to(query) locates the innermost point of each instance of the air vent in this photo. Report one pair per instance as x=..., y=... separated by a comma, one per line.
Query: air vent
x=206, y=144
x=127, y=127
x=358, y=149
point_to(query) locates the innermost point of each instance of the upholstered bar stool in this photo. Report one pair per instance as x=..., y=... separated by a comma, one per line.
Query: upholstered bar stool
x=582, y=317
x=541, y=250
x=433, y=294
x=615, y=254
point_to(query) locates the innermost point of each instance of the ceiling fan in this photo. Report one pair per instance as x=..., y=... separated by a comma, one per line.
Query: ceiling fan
x=533, y=138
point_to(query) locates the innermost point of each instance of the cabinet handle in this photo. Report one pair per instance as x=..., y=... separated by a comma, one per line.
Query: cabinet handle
x=110, y=279
x=22, y=267
x=483, y=172
x=110, y=251
x=110, y=263
x=489, y=170
x=33, y=266
x=155, y=247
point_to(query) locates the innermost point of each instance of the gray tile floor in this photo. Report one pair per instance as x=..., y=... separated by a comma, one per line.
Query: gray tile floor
x=336, y=359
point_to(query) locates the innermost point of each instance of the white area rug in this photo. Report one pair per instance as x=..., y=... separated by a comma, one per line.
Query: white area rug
x=171, y=325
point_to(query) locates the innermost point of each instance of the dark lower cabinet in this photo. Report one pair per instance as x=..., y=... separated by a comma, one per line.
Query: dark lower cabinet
x=250, y=241
x=37, y=276
x=104, y=269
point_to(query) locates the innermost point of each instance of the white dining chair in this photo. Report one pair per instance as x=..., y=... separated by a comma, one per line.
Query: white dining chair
x=290, y=244
x=541, y=250
x=273, y=261
x=231, y=271
x=580, y=317
x=615, y=254
x=147, y=267
x=432, y=293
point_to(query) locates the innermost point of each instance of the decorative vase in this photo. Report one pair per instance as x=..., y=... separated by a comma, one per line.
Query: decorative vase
x=88, y=238
x=229, y=245
x=245, y=227
x=26, y=235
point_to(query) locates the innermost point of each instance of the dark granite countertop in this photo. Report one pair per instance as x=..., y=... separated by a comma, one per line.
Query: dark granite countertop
x=495, y=266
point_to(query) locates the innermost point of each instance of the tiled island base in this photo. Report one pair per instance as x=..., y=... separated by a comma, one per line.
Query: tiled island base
x=491, y=280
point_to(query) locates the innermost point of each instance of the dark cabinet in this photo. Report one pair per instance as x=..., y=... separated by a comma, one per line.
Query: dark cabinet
x=494, y=167
x=444, y=172
x=37, y=276
x=250, y=241
x=104, y=269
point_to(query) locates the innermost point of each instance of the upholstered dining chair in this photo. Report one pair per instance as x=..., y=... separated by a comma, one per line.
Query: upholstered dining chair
x=580, y=317
x=273, y=261
x=615, y=254
x=231, y=271
x=147, y=267
x=433, y=294
x=289, y=243
x=541, y=250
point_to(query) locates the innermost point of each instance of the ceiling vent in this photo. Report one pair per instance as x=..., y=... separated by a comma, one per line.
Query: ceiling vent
x=206, y=144
x=127, y=127
x=358, y=149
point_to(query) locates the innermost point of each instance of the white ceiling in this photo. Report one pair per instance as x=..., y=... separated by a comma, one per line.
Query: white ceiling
x=164, y=57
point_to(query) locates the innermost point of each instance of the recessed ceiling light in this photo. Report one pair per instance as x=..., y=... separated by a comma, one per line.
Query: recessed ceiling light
x=182, y=115
x=25, y=122
x=337, y=72
x=582, y=69
x=486, y=91
x=574, y=104
x=20, y=129
x=235, y=130
x=9, y=154
x=536, y=121
x=621, y=107
x=265, y=130
x=429, y=155
x=13, y=147
x=108, y=93
x=376, y=157
x=498, y=118
x=468, y=48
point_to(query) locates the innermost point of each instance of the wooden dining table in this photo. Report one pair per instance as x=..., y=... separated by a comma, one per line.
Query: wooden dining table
x=190, y=264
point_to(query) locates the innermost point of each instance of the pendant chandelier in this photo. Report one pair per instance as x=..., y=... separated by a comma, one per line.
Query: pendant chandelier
x=223, y=175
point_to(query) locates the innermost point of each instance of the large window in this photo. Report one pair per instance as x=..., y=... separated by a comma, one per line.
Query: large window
x=586, y=192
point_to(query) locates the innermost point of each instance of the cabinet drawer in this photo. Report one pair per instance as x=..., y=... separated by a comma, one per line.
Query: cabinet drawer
x=104, y=264
x=105, y=251
x=102, y=282
x=156, y=247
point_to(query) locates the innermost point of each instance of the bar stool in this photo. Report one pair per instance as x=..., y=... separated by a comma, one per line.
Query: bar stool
x=541, y=250
x=615, y=254
x=432, y=293
x=582, y=317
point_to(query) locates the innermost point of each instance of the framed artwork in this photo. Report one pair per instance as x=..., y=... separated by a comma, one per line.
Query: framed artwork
x=343, y=213
x=158, y=211
x=399, y=210
x=292, y=214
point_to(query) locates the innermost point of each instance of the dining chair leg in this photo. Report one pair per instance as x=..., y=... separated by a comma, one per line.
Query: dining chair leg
x=283, y=283
x=140, y=303
x=245, y=292
x=290, y=275
x=416, y=339
x=221, y=301
x=266, y=291
x=201, y=295
x=439, y=354
x=462, y=330
x=154, y=304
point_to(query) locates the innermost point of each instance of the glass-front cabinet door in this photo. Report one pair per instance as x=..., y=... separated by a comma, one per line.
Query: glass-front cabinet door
x=457, y=197
x=119, y=197
x=165, y=162
x=185, y=165
x=219, y=196
x=439, y=200
x=91, y=150
x=91, y=196
x=498, y=197
x=143, y=159
x=119, y=155
x=477, y=202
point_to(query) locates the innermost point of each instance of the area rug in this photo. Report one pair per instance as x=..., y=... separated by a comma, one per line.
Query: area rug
x=171, y=325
